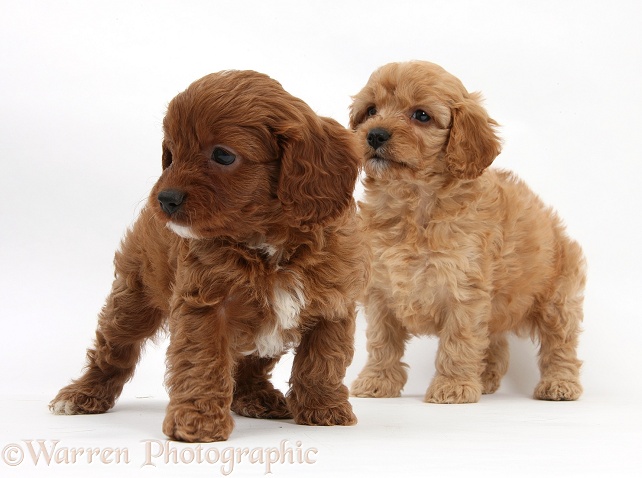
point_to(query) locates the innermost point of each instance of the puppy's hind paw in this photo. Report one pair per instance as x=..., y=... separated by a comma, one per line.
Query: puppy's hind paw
x=558, y=390
x=262, y=404
x=491, y=382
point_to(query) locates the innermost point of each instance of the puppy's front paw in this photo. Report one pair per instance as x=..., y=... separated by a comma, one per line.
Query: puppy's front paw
x=446, y=390
x=261, y=404
x=72, y=401
x=379, y=384
x=558, y=390
x=340, y=414
x=186, y=423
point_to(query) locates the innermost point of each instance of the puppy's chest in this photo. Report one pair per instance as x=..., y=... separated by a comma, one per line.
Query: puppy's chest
x=401, y=240
x=284, y=297
x=412, y=266
x=260, y=299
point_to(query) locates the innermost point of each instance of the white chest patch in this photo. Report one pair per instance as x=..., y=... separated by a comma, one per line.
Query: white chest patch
x=267, y=249
x=286, y=306
x=183, y=231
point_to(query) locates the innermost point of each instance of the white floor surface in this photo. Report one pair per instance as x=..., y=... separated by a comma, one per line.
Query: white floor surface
x=502, y=435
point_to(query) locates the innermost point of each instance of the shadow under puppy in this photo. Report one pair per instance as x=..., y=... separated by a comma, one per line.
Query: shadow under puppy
x=247, y=246
x=459, y=251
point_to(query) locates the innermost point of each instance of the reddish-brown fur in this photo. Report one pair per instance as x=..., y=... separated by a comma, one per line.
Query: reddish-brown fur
x=268, y=257
x=459, y=251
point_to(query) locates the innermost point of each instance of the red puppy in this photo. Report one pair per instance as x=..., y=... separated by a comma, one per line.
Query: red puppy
x=248, y=246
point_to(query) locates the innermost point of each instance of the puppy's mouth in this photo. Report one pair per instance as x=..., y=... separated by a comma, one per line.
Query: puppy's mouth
x=377, y=159
x=379, y=163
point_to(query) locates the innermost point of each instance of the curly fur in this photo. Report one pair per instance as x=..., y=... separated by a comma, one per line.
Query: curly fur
x=459, y=251
x=261, y=255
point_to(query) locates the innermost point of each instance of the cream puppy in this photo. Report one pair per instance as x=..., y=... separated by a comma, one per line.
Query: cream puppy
x=460, y=251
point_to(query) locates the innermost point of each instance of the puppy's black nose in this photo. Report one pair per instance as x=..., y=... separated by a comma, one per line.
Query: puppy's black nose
x=377, y=137
x=170, y=200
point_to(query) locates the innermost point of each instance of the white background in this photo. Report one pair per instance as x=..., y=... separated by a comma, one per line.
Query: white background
x=83, y=89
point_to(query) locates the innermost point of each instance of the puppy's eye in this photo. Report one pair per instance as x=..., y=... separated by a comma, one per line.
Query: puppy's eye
x=371, y=111
x=223, y=156
x=421, y=116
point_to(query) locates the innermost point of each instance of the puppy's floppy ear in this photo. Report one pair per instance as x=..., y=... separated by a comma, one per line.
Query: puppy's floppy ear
x=473, y=143
x=319, y=168
x=355, y=114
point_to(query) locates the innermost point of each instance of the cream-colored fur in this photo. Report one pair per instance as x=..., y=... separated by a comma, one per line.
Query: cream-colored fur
x=459, y=251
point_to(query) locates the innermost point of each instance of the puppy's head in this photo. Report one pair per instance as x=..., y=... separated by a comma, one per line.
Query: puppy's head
x=415, y=120
x=242, y=157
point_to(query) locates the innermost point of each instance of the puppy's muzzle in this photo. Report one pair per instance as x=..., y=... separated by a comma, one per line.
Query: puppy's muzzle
x=377, y=137
x=171, y=200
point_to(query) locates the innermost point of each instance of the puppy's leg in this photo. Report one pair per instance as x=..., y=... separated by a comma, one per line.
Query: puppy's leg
x=199, y=376
x=125, y=322
x=384, y=374
x=497, y=357
x=558, y=362
x=317, y=395
x=463, y=342
x=558, y=322
x=254, y=394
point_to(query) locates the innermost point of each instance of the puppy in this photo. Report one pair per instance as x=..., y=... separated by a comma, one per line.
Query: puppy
x=459, y=251
x=248, y=245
